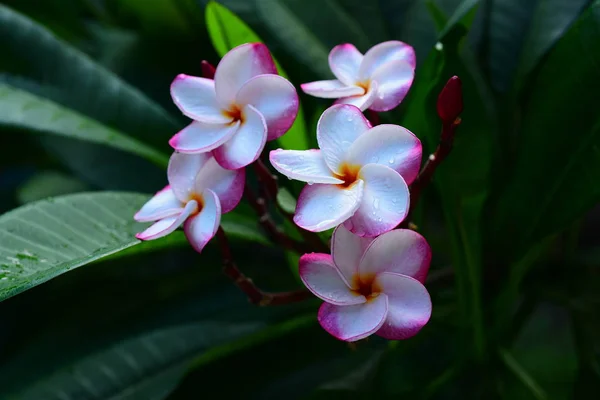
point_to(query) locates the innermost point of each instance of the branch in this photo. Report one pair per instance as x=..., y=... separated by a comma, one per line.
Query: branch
x=269, y=188
x=254, y=294
x=449, y=107
x=373, y=117
x=264, y=218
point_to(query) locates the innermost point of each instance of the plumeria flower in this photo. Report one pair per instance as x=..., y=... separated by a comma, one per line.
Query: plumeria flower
x=199, y=191
x=237, y=112
x=371, y=286
x=358, y=177
x=379, y=80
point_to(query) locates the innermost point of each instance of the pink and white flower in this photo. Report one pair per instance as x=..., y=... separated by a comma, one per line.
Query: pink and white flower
x=359, y=176
x=199, y=191
x=379, y=80
x=371, y=286
x=236, y=113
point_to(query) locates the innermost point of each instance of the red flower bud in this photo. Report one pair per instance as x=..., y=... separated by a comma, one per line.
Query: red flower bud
x=450, y=103
x=208, y=71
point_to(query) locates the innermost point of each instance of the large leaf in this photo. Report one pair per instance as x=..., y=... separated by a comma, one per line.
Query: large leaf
x=144, y=367
x=88, y=87
x=42, y=240
x=227, y=31
x=23, y=110
x=558, y=165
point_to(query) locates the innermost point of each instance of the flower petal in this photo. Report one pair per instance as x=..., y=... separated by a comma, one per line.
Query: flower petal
x=321, y=276
x=401, y=251
x=383, y=53
x=409, y=305
x=363, y=102
x=347, y=250
x=344, y=61
x=238, y=66
x=337, y=129
x=384, y=204
x=331, y=89
x=196, y=98
x=389, y=145
x=351, y=323
x=393, y=82
x=275, y=98
x=227, y=184
x=168, y=225
x=246, y=144
x=321, y=206
x=200, y=228
x=303, y=165
x=200, y=137
x=182, y=172
x=164, y=204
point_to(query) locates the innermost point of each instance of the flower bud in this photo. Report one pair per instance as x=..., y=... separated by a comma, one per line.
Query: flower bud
x=450, y=103
x=208, y=70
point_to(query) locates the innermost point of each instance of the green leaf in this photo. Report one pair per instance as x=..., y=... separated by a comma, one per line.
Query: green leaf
x=42, y=240
x=45, y=239
x=145, y=367
x=550, y=21
x=227, y=31
x=557, y=169
x=286, y=201
x=19, y=109
x=48, y=184
x=89, y=88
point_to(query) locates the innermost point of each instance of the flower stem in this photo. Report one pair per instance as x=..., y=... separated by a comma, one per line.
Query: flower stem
x=269, y=188
x=255, y=295
x=264, y=218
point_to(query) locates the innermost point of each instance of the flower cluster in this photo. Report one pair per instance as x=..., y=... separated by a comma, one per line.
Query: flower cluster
x=357, y=181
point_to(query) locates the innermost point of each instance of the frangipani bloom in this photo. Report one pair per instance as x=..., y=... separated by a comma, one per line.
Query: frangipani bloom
x=358, y=177
x=237, y=112
x=379, y=80
x=199, y=191
x=371, y=286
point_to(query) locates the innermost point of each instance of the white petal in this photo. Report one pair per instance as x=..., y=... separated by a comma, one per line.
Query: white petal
x=337, y=129
x=182, y=172
x=321, y=276
x=200, y=228
x=237, y=67
x=332, y=89
x=303, y=165
x=384, y=204
x=389, y=145
x=409, y=305
x=363, y=102
x=344, y=61
x=351, y=323
x=321, y=206
x=383, y=53
x=196, y=98
x=164, y=204
x=246, y=144
x=347, y=250
x=401, y=251
x=168, y=225
x=200, y=137
x=275, y=98
x=393, y=82
x=227, y=184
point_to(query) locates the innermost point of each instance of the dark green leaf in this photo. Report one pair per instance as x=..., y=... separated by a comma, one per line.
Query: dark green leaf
x=558, y=165
x=49, y=184
x=19, y=109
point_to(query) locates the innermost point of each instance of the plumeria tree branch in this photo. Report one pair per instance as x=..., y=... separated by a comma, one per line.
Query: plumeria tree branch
x=270, y=188
x=449, y=107
x=255, y=295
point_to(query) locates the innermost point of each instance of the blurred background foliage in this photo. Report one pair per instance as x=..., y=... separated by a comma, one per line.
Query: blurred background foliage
x=85, y=115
